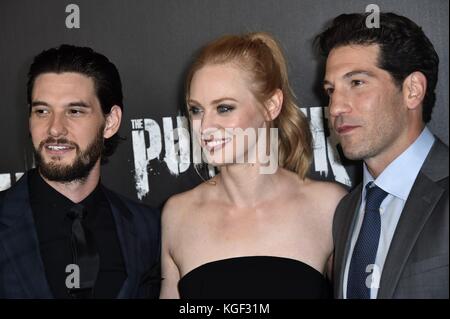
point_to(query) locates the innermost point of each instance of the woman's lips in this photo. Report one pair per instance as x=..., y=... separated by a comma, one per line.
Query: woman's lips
x=215, y=144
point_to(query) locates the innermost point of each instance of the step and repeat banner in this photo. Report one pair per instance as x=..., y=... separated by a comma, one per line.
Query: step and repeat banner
x=152, y=43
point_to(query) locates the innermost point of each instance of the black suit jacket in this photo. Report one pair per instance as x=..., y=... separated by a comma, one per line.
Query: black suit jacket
x=22, y=273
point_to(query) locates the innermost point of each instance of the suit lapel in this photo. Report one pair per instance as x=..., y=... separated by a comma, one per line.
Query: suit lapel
x=420, y=204
x=344, y=238
x=128, y=243
x=20, y=242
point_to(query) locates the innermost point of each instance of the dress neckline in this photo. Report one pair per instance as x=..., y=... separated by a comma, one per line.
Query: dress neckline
x=231, y=259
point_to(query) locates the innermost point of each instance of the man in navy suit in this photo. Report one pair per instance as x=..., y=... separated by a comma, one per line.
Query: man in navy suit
x=62, y=233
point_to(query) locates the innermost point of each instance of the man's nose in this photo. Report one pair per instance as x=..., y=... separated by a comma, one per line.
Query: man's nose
x=57, y=125
x=338, y=104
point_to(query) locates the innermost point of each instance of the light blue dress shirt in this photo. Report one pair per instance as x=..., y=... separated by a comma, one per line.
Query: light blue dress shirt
x=397, y=179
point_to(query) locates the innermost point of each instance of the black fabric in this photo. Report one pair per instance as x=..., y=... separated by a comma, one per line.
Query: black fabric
x=54, y=231
x=84, y=254
x=262, y=277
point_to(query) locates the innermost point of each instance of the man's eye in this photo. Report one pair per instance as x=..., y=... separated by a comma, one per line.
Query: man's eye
x=40, y=112
x=223, y=108
x=194, y=110
x=329, y=91
x=357, y=82
x=75, y=112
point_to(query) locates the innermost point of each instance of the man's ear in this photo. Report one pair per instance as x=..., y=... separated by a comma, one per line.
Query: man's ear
x=414, y=89
x=273, y=105
x=113, y=120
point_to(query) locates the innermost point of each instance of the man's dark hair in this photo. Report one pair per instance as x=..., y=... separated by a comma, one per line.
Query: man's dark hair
x=83, y=60
x=404, y=48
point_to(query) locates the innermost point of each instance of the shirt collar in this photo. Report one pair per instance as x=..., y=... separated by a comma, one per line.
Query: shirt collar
x=407, y=166
x=43, y=194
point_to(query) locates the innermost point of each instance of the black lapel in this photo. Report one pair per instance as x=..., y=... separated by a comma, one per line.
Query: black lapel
x=19, y=239
x=129, y=243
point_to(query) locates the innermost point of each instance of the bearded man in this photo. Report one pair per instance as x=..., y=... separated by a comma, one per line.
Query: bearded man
x=62, y=233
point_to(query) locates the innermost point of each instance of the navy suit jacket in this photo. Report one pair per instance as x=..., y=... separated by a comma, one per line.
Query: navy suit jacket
x=22, y=273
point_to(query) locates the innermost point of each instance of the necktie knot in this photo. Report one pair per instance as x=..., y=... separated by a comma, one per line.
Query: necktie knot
x=76, y=212
x=374, y=196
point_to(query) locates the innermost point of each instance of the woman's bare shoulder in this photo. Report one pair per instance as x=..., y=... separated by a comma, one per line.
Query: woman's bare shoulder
x=180, y=204
x=325, y=189
x=314, y=189
x=325, y=194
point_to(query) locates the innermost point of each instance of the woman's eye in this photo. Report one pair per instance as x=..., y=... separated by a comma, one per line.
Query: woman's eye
x=194, y=110
x=223, y=108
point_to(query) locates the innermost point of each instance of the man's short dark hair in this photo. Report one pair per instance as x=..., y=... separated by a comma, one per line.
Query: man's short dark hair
x=83, y=60
x=404, y=48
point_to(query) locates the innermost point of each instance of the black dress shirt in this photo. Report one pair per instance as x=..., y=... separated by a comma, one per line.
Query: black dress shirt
x=54, y=228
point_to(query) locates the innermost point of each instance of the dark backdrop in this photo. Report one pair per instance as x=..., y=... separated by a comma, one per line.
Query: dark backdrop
x=152, y=42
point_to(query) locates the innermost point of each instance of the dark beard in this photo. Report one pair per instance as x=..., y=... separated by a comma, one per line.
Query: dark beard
x=77, y=171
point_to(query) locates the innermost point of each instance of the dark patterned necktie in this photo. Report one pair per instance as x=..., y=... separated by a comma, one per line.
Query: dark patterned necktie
x=365, y=251
x=84, y=253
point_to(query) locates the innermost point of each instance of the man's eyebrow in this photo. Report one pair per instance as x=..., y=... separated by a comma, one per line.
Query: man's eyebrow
x=350, y=74
x=79, y=103
x=39, y=103
x=75, y=103
x=358, y=72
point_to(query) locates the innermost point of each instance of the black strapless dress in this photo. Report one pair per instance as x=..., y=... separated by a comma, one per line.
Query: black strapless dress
x=254, y=277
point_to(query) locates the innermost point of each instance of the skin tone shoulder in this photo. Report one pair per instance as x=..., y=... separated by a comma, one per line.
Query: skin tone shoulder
x=241, y=212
